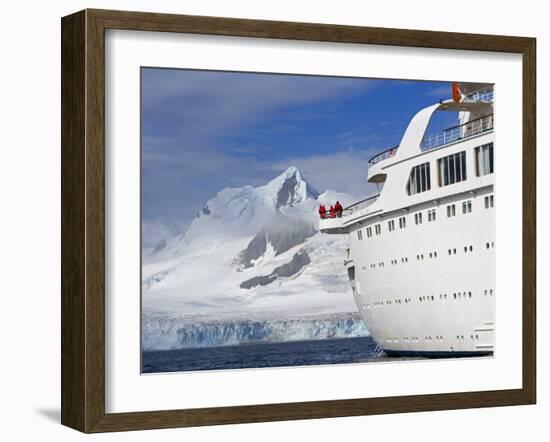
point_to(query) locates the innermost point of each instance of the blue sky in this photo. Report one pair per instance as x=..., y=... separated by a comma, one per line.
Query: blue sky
x=204, y=130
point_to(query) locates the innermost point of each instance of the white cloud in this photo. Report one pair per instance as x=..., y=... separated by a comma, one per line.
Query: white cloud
x=153, y=231
x=208, y=104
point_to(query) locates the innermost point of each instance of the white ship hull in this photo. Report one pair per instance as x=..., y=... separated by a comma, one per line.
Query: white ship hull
x=429, y=288
x=422, y=273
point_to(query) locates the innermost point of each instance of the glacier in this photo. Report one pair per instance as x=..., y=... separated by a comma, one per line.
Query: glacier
x=169, y=332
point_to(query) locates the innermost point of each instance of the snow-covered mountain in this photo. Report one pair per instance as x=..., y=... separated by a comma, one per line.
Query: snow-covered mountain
x=250, y=251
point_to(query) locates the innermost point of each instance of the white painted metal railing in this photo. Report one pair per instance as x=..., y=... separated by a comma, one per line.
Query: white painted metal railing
x=383, y=155
x=359, y=205
x=456, y=133
x=483, y=96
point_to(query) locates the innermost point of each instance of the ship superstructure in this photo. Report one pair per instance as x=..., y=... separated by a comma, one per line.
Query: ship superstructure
x=421, y=253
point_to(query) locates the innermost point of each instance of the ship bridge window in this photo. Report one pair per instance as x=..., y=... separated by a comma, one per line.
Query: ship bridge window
x=359, y=235
x=369, y=232
x=419, y=179
x=431, y=215
x=418, y=218
x=484, y=159
x=489, y=201
x=452, y=168
x=391, y=225
x=377, y=229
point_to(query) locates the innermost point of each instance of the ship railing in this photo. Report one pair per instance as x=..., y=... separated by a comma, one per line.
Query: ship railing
x=485, y=96
x=360, y=205
x=456, y=133
x=383, y=155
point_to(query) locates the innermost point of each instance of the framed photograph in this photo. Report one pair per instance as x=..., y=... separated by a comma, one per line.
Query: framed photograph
x=269, y=220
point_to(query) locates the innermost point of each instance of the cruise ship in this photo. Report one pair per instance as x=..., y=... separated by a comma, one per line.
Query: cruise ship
x=421, y=253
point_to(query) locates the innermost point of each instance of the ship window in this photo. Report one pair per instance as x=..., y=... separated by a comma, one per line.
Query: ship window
x=467, y=206
x=451, y=210
x=484, y=159
x=489, y=201
x=402, y=222
x=369, y=232
x=418, y=218
x=431, y=215
x=377, y=229
x=359, y=235
x=391, y=225
x=452, y=168
x=351, y=273
x=419, y=179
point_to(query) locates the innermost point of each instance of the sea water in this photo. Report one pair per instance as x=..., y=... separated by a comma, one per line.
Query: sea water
x=274, y=354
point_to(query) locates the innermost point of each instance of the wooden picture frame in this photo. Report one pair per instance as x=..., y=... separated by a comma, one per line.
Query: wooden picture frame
x=83, y=220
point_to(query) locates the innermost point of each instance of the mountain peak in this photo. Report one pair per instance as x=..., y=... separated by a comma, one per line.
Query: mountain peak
x=291, y=188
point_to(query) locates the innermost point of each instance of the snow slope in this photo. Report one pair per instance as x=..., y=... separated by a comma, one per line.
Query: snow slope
x=250, y=252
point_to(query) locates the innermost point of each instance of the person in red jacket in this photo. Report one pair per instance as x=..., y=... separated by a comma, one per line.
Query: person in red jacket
x=322, y=211
x=338, y=209
x=331, y=212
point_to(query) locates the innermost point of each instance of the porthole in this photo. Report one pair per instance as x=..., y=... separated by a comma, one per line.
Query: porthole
x=454, y=295
x=471, y=248
x=487, y=245
x=491, y=292
x=465, y=249
x=469, y=294
x=435, y=254
x=449, y=251
x=454, y=251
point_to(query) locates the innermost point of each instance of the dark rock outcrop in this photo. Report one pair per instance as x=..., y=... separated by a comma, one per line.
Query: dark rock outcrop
x=282, y=232
x=298, y=262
